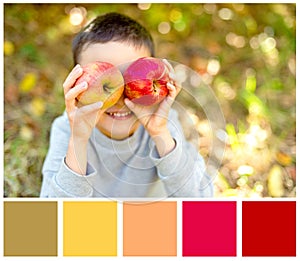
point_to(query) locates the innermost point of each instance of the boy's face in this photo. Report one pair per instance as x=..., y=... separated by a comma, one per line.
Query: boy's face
x=118, y=122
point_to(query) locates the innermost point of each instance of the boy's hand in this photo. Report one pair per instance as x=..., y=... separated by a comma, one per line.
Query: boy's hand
x=82, y=120
x=155, y=118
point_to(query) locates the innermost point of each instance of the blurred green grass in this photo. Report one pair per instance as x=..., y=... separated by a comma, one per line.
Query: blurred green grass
x=245, y=52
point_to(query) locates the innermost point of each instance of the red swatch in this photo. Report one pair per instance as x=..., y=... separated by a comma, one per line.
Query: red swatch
x=269, y=228
x=209, y=228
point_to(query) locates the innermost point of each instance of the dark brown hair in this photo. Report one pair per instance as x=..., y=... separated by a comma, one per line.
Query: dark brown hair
x=112, y=27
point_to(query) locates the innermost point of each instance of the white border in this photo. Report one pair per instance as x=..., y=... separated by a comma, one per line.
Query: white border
x=120, y=205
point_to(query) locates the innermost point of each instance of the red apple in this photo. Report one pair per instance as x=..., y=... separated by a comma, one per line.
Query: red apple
x=105, y=83
x=146, y=81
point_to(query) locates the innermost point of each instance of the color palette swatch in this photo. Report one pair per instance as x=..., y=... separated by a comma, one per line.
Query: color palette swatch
x=30, y=228
x=150, y=229
x=176, y=229
x=269, y=228
x=90, y=229
x=209, y=228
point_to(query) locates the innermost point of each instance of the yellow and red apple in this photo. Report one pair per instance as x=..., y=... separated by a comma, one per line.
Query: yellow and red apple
x=105, y=83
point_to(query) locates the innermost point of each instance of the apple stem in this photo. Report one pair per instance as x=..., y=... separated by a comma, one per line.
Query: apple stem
x=154, y=86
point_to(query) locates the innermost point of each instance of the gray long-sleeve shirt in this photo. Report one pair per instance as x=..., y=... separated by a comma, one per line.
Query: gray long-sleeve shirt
x=127, y=168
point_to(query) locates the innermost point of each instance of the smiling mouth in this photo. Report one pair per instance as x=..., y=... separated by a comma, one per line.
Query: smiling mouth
x=120, y=115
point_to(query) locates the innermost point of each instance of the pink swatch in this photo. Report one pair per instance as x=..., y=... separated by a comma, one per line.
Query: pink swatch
x=209, y=228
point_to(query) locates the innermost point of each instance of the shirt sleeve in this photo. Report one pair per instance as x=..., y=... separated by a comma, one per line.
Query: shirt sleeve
x=58, y=179
x=183, y=170
x=67, y=183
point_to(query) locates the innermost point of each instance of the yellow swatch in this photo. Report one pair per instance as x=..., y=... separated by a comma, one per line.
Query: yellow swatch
x=90, y=229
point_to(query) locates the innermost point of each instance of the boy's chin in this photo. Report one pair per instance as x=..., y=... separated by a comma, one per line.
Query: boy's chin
x=119, y=135
x=119, y=132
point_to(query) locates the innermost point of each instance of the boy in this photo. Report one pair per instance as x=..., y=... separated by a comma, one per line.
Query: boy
x=127, y=150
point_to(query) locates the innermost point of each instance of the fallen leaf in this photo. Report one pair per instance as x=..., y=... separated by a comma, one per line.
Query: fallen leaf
x=26, y=133
x=8, y=48
x=38, y=106
x=28, y=82
x=283, y=158
x=275, y=182
x=230, y=193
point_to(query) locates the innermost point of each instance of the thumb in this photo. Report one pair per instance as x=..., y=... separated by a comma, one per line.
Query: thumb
x=92, y=107
x=129, y=104
x=96, y=105
x=138, y=110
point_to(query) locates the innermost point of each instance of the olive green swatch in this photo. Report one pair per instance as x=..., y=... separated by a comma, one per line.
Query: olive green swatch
x=30, y=228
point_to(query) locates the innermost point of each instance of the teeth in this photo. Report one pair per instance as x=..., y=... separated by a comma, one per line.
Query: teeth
x=119, y=114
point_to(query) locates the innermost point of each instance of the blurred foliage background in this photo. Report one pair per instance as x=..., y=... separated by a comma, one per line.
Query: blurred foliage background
x=245, y=52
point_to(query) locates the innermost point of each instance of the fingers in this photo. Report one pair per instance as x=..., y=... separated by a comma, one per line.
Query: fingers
x=136, y=109
x=140, y=111
x=172, y=90
x=72, y=77
x=71, y=91
x=75, y=91
x=166, y=104
x=91, y=107
x=173, y=87
x=88, y=113
x=84, y=119
x=169, y=66
x=129, y=104
x=173, y=79
x=171, y=70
